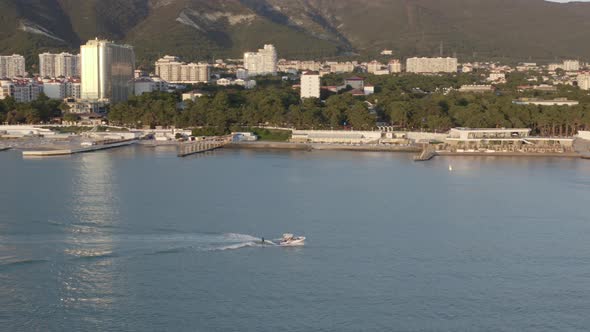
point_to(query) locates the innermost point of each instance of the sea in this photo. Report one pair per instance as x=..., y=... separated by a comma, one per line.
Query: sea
x=137, y=239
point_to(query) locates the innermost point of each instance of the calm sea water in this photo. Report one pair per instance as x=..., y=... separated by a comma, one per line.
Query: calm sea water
x=137, y=239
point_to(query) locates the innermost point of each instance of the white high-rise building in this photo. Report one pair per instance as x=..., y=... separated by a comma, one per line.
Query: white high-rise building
x=12, y=66
x=571, y=65
x=47, y=64
x=584, y=80
x=431, y=65
x=107, y=71
x=310, y=84
x=263, y=62
x=172, y=70
x=55, y=65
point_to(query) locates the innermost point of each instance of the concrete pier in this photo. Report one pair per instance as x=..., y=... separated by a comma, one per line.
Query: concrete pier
x=62, y=152
x=189, y=148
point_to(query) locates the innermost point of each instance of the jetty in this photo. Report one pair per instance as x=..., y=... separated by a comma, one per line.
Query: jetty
x=68, y=151
x=427, y=153
x=200, y=146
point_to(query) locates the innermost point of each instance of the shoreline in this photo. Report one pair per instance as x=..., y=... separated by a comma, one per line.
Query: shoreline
x=261, y=145
x=509, y=154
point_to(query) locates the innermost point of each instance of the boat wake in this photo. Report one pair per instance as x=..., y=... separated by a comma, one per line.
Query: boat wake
x=125, y=246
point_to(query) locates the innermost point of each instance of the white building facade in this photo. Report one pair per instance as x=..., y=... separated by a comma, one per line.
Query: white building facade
x=56, y=65
x=172, y=70
x=107, y=71
x=310, y=85
x=263, y=62
x=12, y=66
x=431, y=65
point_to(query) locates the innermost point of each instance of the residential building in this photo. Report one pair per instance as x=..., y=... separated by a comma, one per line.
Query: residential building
x=394, y=66
x=242, y=73
x=285, y=65
x=74, y=88
x=193, y=95
x=78, y=106
x=6, y=88
x=374, y=66
x=497, y=77
x=54, y=89
x=341, y=67
x=431, y=65
x=149, y=84
x=247, y=84
x=26, y=91
x=56, y=65
x=263, y=62
x=476, y=88
x=172, y=70
x=543, y=102
x=584, y=80
x=107, y=71
x=310, y=84
x=355, y=82
x=12, y=66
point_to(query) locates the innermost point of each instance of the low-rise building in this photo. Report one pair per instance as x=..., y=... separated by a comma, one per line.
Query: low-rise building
x=394, y=66
x=355, y=82
x=476, y=88
x=149, y=84
x=193, y=95
x=543, y=102
x=336, y=136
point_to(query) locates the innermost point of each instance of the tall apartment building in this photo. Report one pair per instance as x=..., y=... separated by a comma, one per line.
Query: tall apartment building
x=263, y=62
x=567, y=65
x=584, y=81
x=107, y=71
x=310, y=84
x=571, y=65
x=431, y=65
x=395, y=66
x=12, y=66
x=172, y=70
x=62, y=64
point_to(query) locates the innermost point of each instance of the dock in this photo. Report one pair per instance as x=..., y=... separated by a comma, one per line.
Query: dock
x=189, y=148
x=63, y=152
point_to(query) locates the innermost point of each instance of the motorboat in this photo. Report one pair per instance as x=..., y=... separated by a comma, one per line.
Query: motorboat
x=289, y=240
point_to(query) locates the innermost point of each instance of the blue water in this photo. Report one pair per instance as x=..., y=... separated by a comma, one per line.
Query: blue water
x=137, y=239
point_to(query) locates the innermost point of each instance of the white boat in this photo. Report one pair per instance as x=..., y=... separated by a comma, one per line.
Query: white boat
x=289, y=240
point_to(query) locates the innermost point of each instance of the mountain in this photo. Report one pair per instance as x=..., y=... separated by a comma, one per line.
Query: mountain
x=207, y=29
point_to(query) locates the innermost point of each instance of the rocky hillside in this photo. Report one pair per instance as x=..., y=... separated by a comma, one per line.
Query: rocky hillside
x=204, y=29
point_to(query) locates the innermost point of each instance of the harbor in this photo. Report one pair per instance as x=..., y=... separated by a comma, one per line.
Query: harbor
x=34, y=141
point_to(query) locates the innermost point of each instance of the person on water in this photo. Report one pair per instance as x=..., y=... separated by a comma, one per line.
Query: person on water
x=262, y=240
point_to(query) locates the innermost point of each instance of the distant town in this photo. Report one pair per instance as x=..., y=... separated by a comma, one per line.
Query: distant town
x=383, y=102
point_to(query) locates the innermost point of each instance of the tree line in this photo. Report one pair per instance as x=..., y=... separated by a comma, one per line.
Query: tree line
x=414, y=102
x=41, y=110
